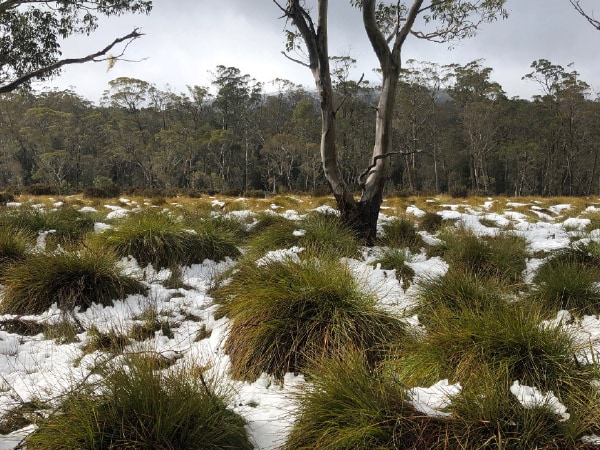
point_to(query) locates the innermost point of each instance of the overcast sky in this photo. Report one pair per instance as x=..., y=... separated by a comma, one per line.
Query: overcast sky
x=186, y=39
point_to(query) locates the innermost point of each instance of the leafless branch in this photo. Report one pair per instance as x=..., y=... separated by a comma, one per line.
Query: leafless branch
x=297, y=61
x=63, y=62
x=595, y=23
x=376, y=158
x=348, y=95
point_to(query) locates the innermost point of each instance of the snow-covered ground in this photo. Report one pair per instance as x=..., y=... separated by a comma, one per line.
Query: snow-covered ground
x=37, y=368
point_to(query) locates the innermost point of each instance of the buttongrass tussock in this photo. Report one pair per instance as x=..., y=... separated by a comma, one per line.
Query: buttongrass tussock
x=69, y=279
x=157, y=238
x=285, y=311
x=137, y=406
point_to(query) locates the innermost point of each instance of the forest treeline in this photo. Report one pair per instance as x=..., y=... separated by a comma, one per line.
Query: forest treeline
x=455, y=131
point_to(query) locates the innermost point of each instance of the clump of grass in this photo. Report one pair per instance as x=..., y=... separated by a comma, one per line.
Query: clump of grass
x=453, y=292
x=24, y=327
x=136, y=406
x=350, y=405
x=431, y=222
x=111, y=341
x=490, y=416
x=69, y=225
x=459, y=345
x=564, y=284
x=284, y=311
x=156, y=238
x=320, y=233
x=401, y=233
x=502, y=256
x=396, y=259
x=69, y=279
x=14, y=244
x=149, y=324
x=272, y=232
x=63, y=331
x=20, y=416
x=326, y=234
x=586, y=254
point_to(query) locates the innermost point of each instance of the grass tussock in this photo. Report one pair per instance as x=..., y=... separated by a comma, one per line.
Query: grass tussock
x=14, y=245
x=564, y=284
x=502, y=256
x=69, y=279
x=401, y=233
x=396, y=259
x=285, y=311
x=320, y=233
x=154, y=237
x=350, y=405
x=136, y=406
x=460, y=344
x=68, y=224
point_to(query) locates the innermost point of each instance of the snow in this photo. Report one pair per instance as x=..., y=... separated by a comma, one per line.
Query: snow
x=433, y=400
x=531, y=397
x=34, y=367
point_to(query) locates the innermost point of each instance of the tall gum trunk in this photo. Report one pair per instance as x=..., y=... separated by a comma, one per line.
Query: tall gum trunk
x=369, y=204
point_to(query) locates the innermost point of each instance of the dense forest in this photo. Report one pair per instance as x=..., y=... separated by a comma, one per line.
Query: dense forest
x=455, y=131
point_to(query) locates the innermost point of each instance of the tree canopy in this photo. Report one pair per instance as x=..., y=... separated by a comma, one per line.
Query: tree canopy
x=31, y=33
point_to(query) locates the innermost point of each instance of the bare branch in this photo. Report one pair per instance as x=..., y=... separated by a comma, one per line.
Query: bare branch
x=297, y=61
x=595, y=23
x=348, y=95
x=376, y=158
x=63, y=62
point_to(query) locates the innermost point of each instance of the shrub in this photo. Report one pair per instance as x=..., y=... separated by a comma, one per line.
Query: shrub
x=6, y=197
x=400, y=233
x=285, y=311
x=41, y=189
x=396, y=259
x=138, y=407
x=156, y=238
x=70, y=279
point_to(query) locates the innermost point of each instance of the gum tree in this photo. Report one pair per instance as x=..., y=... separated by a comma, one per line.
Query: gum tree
x=31, y=32
x=387, y=25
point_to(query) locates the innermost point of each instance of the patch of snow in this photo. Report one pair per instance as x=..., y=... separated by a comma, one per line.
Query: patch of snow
x=576, y=223
x=557, y=209
x=280, y=255
x=415, y=211
x=531, y=397
x=117, y=214
x=87, y=209
x=434, y=399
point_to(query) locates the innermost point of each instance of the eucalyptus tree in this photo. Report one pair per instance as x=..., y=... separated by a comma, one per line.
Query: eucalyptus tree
x=236, y=102
x=387, y=26
x=421, y=93
x=479, y=99
x=32, y=31
x=563, y=102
